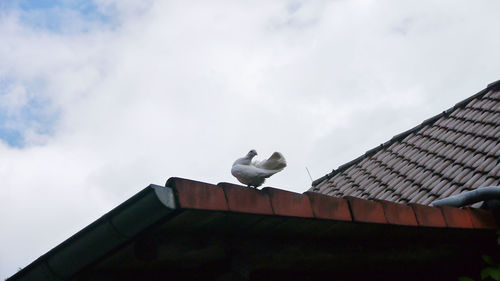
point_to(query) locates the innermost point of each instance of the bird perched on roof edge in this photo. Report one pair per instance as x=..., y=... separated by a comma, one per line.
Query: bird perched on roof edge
x=253, y=174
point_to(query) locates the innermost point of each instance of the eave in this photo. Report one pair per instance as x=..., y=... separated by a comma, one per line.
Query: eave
x=226, y=232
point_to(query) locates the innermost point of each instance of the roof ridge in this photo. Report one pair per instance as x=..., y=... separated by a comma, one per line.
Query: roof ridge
x=491, y=86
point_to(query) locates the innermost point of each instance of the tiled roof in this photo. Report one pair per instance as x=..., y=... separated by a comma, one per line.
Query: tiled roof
x=453, y=152
x=157, y=218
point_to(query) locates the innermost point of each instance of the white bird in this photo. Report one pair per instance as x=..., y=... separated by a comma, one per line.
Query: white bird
x=255, y=173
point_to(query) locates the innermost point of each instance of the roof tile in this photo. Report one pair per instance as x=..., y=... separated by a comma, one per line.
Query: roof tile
x=495, y=172
x=428, y=216
x=429, y=198
x=328, y=207
x=448, y=154
x=366, y=211
x=198, y=195
x=398, y=213
x=286, y=203
x=455, y=217
x=248, y=200
x=437, y=187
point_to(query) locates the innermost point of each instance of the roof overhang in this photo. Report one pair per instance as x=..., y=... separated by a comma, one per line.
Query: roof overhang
x=191, y=230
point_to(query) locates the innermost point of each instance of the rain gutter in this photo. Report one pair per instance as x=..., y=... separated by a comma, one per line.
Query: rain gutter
x=113, y=229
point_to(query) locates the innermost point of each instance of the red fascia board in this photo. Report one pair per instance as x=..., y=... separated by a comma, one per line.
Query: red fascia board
x=272, y=201
x=246, y=200
x=482, y=219
x=286, y=203
x=428, y=216
x=455, y=217
x=329, y=207
x=198, y=195
x=398, y=213
x=366, y=210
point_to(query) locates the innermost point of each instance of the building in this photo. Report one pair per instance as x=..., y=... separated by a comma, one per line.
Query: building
x=370, y=219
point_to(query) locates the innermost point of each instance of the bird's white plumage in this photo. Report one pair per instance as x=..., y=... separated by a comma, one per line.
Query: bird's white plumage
x=275, y=162
x=255, y=173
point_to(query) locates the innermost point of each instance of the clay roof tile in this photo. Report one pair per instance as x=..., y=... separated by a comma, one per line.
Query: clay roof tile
x=452, y=151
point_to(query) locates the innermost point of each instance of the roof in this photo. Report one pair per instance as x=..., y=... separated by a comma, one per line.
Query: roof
x=188, y=227
x=450, y=153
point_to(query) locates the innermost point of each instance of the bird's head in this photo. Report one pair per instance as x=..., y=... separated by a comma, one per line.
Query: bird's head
x=252, y=153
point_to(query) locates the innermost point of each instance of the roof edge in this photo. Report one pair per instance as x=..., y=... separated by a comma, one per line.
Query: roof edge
x=115, y=227
x=147, y=209
x=491, y=86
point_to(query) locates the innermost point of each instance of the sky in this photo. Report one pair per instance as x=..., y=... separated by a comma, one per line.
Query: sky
x=99, y=99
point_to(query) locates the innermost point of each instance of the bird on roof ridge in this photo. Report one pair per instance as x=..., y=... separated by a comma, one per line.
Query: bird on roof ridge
x=254, y=173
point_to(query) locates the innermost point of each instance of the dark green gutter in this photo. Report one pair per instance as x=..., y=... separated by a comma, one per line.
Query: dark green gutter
x=113, y=229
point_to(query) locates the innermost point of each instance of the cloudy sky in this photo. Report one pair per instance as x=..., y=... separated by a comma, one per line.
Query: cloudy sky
x=100, y=98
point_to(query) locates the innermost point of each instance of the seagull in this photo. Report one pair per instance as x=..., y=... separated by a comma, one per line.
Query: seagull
x=253, y=174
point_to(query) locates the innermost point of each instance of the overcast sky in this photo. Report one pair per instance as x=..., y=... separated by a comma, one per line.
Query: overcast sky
x=100, y=98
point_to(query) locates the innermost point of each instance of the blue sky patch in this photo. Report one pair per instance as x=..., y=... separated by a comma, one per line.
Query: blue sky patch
x=11, y=137
x=58, y=16
x=35, y=115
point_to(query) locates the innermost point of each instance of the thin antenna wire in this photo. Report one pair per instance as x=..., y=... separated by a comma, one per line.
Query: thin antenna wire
x=309, y=174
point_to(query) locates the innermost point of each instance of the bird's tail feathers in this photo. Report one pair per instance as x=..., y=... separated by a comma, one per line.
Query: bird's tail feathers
x=275, y=162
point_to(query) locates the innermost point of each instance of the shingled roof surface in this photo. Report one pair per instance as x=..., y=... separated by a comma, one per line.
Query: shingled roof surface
x=453, y=152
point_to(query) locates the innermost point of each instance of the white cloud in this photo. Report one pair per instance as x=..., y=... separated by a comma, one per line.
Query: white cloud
x=178, y=89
